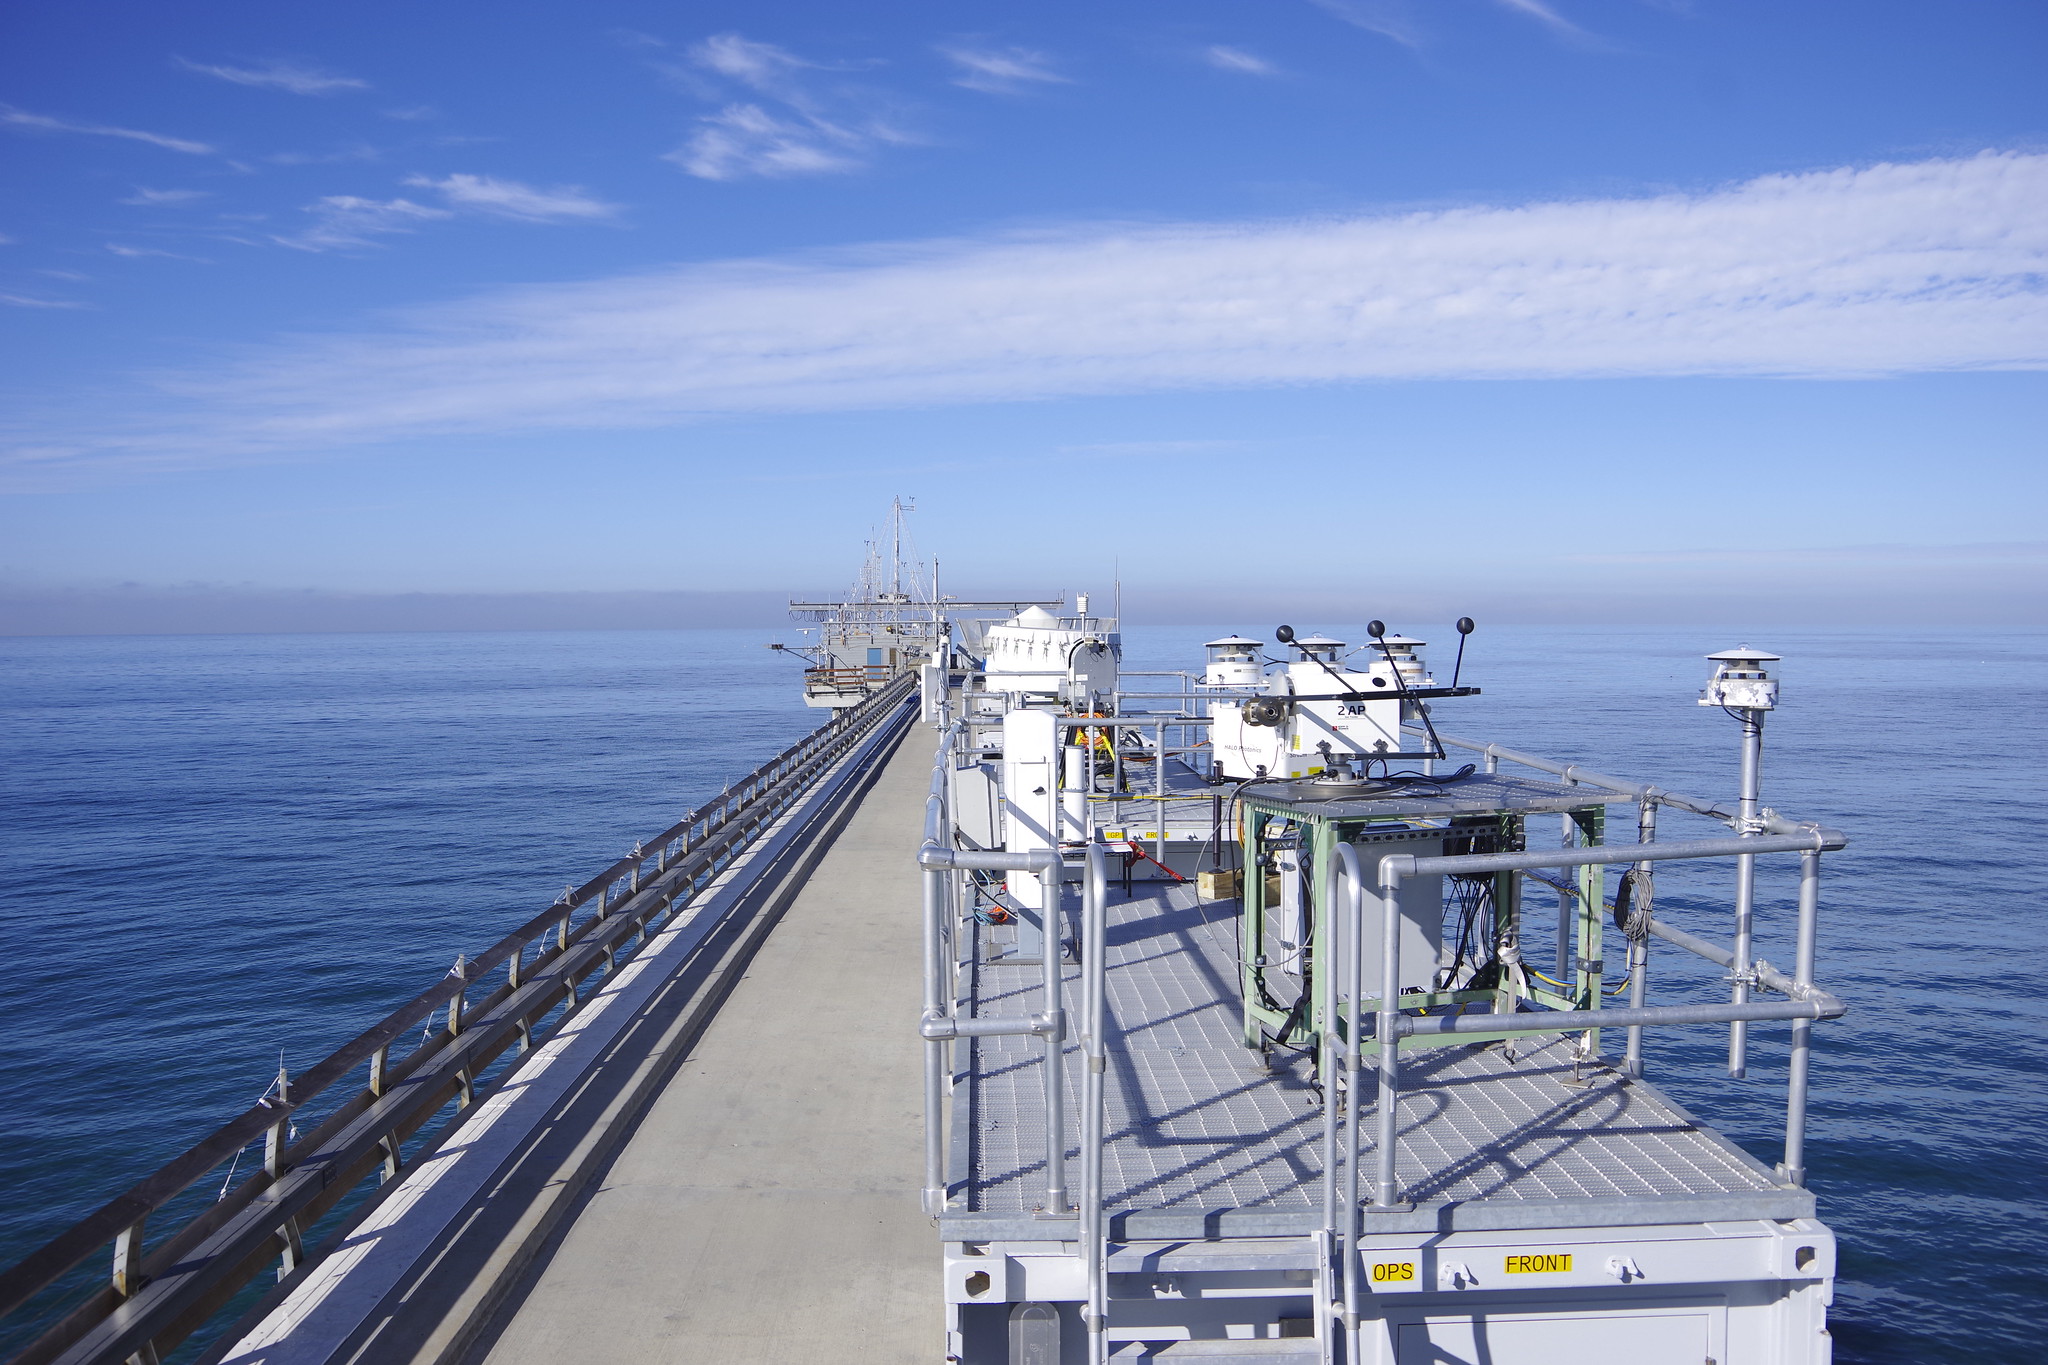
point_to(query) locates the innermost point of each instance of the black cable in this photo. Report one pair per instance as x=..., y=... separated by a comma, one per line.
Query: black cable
x=1471, y=893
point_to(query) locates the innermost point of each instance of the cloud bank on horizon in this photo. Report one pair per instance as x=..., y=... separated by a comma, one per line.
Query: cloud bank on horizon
x=1925, y=266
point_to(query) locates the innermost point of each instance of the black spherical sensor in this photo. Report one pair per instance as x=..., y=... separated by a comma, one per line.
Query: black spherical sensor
x=1285, y=635
x=1466, y=625
x=1375, y=628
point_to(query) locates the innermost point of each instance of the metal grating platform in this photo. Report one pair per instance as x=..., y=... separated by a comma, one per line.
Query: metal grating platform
x=1196, y=1126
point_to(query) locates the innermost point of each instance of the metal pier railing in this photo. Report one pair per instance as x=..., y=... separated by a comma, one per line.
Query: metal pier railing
x=164, y=1290
x=1349, y=1034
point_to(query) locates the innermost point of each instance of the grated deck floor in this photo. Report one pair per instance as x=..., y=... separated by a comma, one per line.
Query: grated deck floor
x=1195, y=1125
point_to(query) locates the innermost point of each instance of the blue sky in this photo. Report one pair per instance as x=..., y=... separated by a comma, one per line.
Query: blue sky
x=1562, y=308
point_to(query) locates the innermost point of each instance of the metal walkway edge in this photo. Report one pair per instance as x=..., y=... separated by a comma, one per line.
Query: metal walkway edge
x=473, y=1238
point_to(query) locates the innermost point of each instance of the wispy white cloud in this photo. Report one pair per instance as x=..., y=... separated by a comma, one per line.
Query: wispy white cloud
x=21, y=118
x=137, y=252
x=818, y=130
x=745, y=139
x=633, y=37
x=1002, y=71
x=1542, y=13
x=298, y=80
x=512, y=199
x=1237, y=59
x=338, y=156
x=760, y=66
x=1393, y=19
x=26, y=301
x=346, y=220
x=1398, y=19
x=1934, y=265
x=148, y=198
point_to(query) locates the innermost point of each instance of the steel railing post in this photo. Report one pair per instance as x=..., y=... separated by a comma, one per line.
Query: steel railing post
x=934, y=1049
x=1802, y=1029
x=1639, y=945
x=1094, y=913
x=128, y=1261
x=1745, y=886
x=1159, y=787
x=1351, y=962
x=1055, y=1043
x=1342, y=993
x=1386, y=1194
x=1329, y=1056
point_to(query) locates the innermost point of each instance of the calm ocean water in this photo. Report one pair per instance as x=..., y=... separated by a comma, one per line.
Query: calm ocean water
x=222, y=848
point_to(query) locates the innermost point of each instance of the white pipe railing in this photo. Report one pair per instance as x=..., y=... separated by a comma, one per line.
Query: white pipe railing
x=1094, y=1238
x=1809, y=1002
x=1340, y=1000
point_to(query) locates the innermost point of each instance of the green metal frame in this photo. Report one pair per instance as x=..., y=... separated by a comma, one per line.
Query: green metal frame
x=1321, y=835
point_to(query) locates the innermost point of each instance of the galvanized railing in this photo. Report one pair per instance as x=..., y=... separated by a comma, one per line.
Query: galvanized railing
x=160, y=1293
x=1348, y=1033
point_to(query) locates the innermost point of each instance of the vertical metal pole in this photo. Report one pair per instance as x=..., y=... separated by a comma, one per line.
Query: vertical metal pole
x=1055, y=1044
x=1094, y=748
x=934, y=1049
x=1216, y=833
x=1354, y=980
x=1802, y=1029
x=1159, y=787
x=1340, y=1057
x=465, y=1080
x=274, y=1141
x=1745, y=886
x=128, y=1260
x=1639, y=949
x=1116, y=749
x=277, y=1134
x=1094, y=898
x=1328, y=1056
x=380, y=1065
x=1591, y=882
x=1387, y=1194
x=1564, y=912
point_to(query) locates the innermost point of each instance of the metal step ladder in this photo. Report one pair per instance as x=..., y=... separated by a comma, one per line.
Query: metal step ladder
x=1282, y=1281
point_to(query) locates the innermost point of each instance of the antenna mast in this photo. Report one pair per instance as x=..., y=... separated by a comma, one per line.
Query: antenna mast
x=895, y=546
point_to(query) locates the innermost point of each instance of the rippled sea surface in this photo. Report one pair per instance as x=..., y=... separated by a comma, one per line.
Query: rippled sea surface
x=221, y=848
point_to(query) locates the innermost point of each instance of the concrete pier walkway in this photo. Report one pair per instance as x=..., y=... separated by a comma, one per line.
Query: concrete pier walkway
x=765, y=1209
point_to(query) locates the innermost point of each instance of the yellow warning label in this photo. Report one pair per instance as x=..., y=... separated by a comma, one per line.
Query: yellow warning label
x=1393, y=1272
x=1545, y=1263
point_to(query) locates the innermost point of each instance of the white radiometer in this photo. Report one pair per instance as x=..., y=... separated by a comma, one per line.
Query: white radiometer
x=1740, y=681
x=1233, y=662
